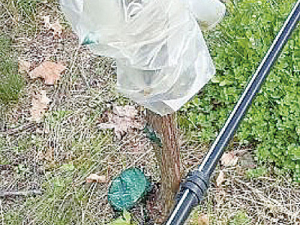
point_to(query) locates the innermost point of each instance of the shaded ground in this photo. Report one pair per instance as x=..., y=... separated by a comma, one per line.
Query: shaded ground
x=57, y=155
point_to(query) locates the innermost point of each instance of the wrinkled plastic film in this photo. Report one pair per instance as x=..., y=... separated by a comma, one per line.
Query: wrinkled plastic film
x=162, y=58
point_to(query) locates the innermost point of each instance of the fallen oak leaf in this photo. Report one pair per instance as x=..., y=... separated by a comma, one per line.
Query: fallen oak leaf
x=40, y=155
x=125, y=111
x=122, y=120
x=203, y=219
x=94, y=178
x=220, y=197
x=47, y=23
x=229, y=159
x=48, y=156
x=57, y=28
x=220, y=178
x=40, y=104
x=49, y=71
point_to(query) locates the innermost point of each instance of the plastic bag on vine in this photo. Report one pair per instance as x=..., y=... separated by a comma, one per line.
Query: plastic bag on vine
x=162, y=58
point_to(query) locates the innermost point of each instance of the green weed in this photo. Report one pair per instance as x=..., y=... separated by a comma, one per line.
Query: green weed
x=125, y=219
x=258, y=172
x=240, y=218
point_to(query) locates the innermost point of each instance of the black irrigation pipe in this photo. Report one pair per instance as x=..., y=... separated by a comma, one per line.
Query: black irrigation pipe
x=197, y=182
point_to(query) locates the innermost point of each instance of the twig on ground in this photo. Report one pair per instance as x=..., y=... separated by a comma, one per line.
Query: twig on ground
x=5, y=167
x=20, y=193
x=18, y=129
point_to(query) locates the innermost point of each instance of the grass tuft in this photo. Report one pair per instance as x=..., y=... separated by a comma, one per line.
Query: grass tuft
x=11, y=82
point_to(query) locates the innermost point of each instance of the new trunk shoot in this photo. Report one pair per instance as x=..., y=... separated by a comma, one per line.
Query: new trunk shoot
x=168, y=159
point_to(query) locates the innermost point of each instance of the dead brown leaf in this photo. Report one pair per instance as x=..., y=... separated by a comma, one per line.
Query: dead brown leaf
x=49, y=71
x=122, y=119
x=55, y=27
x=24, y=66
x=220, y=178
x=49, y=155
x=229, y=159
x=203, y=219
x=40, y=104
x=125, y=111
x=40, y=155
x=220, y=196
x=47, y=23
x=94, y=178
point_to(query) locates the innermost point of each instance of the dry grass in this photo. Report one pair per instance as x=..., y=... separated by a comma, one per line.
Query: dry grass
x=56, y=156
x=69, y=136
x=263, y=200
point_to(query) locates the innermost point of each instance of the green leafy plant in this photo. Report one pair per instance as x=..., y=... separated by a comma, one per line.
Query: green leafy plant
x=238, y=45
x=257, y=172
x=125, y=219
x=240, y=218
